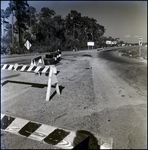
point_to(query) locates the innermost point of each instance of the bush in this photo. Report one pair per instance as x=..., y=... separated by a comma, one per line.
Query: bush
x=3, y=50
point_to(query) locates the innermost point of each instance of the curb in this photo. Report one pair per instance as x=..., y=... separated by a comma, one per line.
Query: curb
x=47, y=134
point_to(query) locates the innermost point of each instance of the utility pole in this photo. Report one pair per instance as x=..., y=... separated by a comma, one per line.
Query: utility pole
x=12, y=31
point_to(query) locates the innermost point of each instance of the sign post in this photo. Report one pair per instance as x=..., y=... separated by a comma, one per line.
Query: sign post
x=90, y=44
x=140, y=44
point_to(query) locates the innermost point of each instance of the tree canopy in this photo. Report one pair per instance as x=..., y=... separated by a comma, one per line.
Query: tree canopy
x=46, y=28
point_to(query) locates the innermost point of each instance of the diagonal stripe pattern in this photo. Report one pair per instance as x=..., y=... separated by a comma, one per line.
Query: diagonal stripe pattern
x=26, y=68
x=46, y=69
x=58, y=137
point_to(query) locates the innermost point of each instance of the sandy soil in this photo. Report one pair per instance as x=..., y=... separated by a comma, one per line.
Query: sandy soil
x=99, y=93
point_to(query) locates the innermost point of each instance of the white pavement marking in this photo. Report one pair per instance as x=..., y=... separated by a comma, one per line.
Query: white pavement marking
x=42, y=132
x=106, y=143
x=67, y=142
x=16, y=125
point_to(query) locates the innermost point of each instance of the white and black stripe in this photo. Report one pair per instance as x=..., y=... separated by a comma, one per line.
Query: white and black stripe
x=36, y=61
x=26, y=68
x=58, y=137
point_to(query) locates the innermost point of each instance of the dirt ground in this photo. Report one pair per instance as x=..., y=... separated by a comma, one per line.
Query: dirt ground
x=97, y=95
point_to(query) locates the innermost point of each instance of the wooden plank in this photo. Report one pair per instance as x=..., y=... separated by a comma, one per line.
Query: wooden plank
x=49, y=85
x=38, y=68
x=30, y=68
x=23, y=68
x=45, y=69
x=10, y=67
x=5, y=65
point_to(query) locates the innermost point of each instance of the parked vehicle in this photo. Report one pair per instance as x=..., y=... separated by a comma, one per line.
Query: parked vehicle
x=49, y=59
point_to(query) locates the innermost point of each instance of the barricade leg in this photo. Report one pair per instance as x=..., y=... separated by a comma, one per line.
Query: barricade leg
x=49, y=85
x=57, y=89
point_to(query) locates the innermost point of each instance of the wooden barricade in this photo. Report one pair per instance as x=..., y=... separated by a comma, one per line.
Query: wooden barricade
x=51, y=69
x=37, y=61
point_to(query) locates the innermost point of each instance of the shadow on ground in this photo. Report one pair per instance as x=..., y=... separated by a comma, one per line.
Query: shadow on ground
x=10, y=76
x=86, y=55
x=85, y=140
x=54, y=93
x=18, y=82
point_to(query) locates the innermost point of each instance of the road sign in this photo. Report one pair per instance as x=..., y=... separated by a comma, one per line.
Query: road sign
x=27, y=44
x=140, y=40
x=90, y=43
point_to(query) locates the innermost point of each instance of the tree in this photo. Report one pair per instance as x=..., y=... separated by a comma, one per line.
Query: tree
x=82, y=29
x=4, y=24
x=45, y=28
x=20, y=11
x=31, y=24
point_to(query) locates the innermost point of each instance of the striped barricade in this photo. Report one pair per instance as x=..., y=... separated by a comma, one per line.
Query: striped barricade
x=37, y=61
x=51, y=69
x=49, y=59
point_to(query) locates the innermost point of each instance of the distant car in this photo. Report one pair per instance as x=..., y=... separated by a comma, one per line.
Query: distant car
x=101, y=48
x=49, y=59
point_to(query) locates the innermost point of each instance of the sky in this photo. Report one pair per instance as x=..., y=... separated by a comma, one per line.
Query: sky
x=126, y=20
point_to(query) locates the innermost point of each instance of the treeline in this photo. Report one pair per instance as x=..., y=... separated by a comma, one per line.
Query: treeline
x=46, y=30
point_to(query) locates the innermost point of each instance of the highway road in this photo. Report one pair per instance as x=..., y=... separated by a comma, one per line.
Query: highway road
x=102, y=93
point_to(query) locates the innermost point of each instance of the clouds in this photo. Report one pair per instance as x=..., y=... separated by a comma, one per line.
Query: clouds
x=127, y=36
x=136, y=36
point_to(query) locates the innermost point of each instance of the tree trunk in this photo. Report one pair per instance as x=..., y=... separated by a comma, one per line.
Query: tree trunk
x=12, y=31
x=19, y=37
